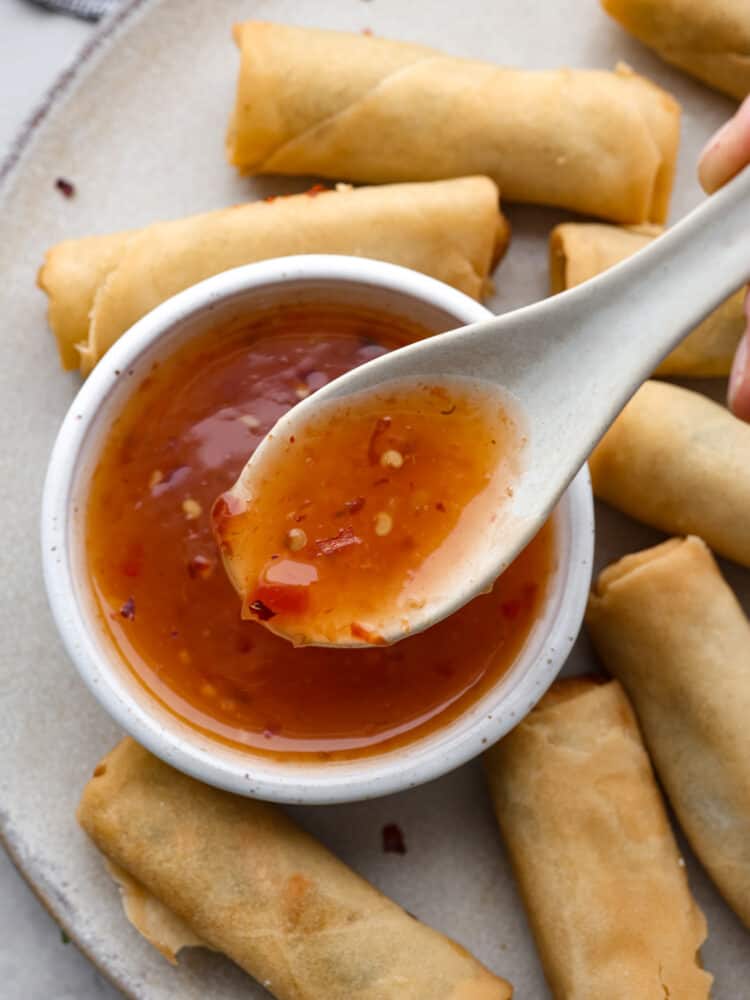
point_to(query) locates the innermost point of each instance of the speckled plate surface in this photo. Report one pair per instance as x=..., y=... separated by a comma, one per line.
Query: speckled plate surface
x=138, y=127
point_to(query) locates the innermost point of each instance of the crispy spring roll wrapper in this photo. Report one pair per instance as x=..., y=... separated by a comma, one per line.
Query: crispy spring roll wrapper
x=580, y=250
x=710, y=39
x=667, y=625
x=100, y=285
x=369, y=109
x=680, y=462
x=162, y=928
x=71, y=274
x=599, y=870
x=248, y=882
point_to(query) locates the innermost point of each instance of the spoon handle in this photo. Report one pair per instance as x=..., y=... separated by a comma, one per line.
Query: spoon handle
x=573, y=360
x=663, y=292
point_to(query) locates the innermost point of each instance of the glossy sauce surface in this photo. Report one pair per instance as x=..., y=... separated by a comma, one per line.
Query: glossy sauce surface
x=180, y=442
x=342, y=531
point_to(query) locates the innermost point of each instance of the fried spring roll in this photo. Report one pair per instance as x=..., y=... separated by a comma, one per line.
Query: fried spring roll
x=250, y=883
x=100, y=285
x=680, y=462
x=580, y=250
x=370, y=109
x=599, y=870
x=709, y=39
x=667, y=625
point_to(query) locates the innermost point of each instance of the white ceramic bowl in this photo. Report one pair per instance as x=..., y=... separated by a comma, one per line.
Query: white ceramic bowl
x=210, y=304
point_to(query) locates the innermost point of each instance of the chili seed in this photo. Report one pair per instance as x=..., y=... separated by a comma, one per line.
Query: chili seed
x=296, y=539
x=191, y=509
x=383, y=523
x=391, y=459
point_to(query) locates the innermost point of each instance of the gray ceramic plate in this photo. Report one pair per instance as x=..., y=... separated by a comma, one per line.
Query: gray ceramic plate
x=138, y=127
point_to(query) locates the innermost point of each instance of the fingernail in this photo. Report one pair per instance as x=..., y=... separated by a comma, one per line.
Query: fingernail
x=711, y=168
x=715, y=141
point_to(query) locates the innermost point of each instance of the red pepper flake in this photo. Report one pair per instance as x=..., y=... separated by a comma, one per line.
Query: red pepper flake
x=201, y=567
x=261, y=611
x=393, y=839
x=227, y=505
x=131, y=567
x=65, y=187
x=440, y=506
x=355, y=505
x=315, y=190
x=511, y=609
x=127, y=611
x=367, y=31
x=382, y=424
x=447, y=413
x=270, y=197
x=359, y=631
x=343, y=538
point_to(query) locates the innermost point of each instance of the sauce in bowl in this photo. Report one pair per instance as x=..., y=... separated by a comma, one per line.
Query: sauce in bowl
x=156, y=572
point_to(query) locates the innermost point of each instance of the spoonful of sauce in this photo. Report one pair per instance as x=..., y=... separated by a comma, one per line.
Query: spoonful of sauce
x=401, y=490
x=354, y=522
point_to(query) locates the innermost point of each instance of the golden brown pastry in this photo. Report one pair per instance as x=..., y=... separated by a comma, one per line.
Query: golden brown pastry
x=670, y=629
x=600, y=873
x=709, y=39
x=370, y=109
x=580, y=250
x=250, y=883
x=100, y=285
x=680, y=462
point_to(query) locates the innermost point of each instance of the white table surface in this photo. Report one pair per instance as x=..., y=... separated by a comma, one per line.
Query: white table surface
x=35, y=962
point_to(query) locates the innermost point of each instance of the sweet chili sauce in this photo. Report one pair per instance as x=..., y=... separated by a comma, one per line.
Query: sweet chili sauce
x=347, y=528
x=156, y=572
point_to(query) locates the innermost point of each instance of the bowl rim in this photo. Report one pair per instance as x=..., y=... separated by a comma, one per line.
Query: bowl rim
x=360, y=778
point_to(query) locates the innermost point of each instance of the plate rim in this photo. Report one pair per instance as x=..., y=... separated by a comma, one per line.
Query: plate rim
x=16, y=161
x=111, y=25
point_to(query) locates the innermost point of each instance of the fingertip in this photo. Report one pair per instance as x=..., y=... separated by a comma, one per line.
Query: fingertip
x=727, y=151
x=738, y=393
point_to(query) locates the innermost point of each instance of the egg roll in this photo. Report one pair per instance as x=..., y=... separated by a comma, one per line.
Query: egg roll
x=370, y=109
x=587, y=834
x=99, y=286
x=679, y=462
x=248, y=882
x=710, y=39
x=580, y=250
x=666, y=624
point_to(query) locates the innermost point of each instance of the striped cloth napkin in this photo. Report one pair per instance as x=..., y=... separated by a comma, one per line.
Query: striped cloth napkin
x=90, y=10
